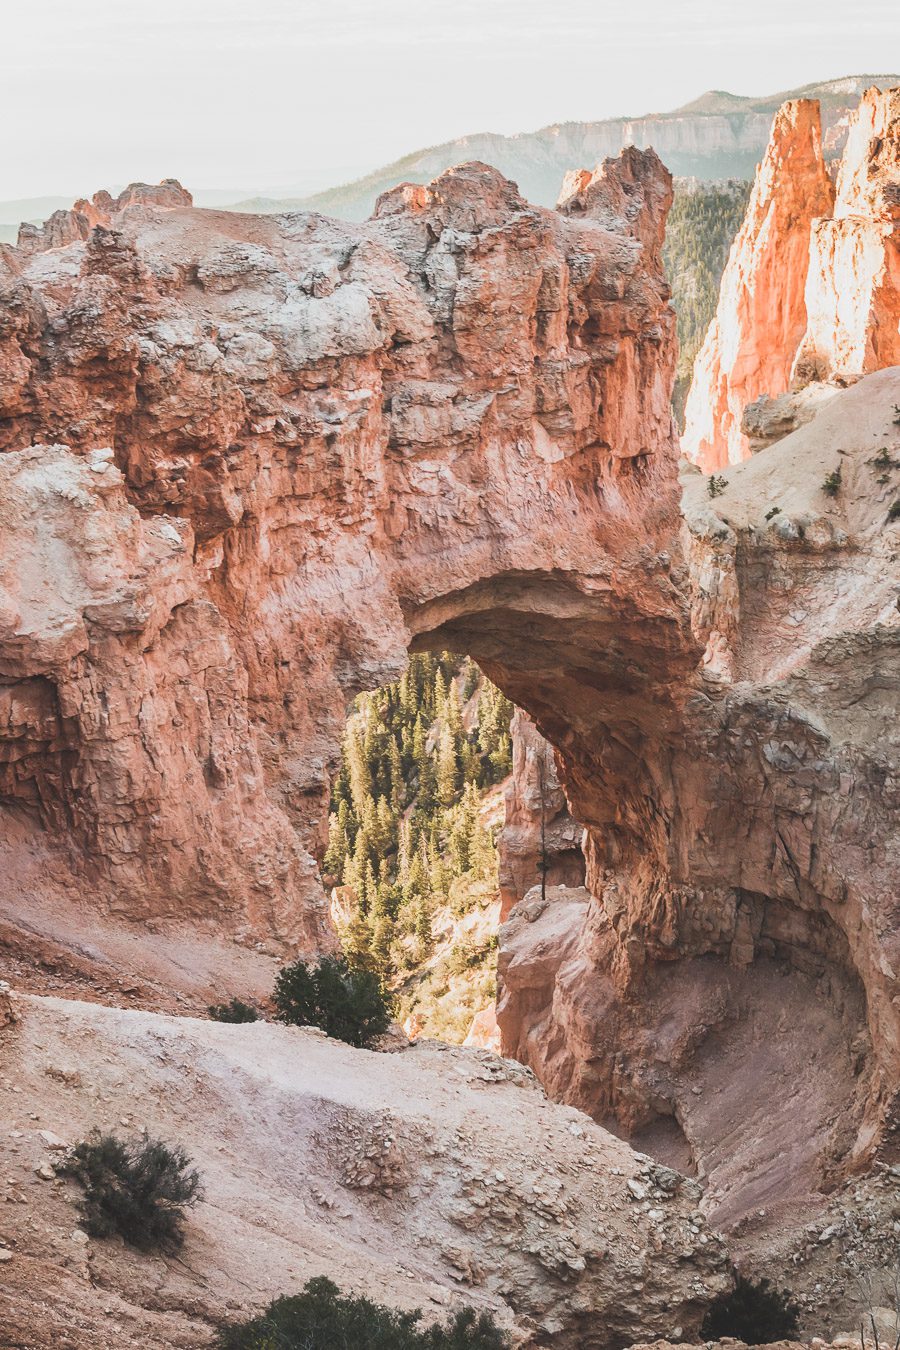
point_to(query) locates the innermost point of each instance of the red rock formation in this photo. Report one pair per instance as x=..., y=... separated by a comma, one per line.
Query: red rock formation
x=853, y=286
x=761, y=317
x=784, y=318
x=538, y=829
x=767, y=874
x=66, y=227
x=450, y=428
x=326, y=443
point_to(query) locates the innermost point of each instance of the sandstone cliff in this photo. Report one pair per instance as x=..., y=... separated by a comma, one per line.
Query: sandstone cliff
x=811, y=290
x=853, y=285
x=538, y=831
x=761, y=317
x=761, y=948
x=251, y=460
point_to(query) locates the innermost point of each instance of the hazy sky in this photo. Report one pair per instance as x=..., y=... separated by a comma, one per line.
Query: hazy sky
x=280, y=93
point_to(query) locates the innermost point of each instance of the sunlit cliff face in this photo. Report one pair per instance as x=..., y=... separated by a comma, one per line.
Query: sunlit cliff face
x=762, y=313
x=812, y=287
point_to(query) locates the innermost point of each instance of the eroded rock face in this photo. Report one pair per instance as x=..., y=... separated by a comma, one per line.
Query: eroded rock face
x=538, y=832
x=252, y=460
x=853, y=285
x=812, y=287
x=67, y=227
x=768, y=937
x=761, y=317
x=435, y=1178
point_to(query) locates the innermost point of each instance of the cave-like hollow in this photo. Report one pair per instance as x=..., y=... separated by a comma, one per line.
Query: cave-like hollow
x=720, y=1029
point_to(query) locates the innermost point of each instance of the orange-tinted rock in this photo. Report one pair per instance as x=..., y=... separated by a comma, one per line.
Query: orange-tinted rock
x=853, y=285
x=811, y=291
x=327, y=443
x=450, y=428
x=484, y=1034
x=66, y=227
x=741, y=929
x=761, y=317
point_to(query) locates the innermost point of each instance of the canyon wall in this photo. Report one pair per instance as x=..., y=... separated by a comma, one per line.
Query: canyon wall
x=810, y=290
x=250, y=462
x=853, y=284
x=769, y=938
x=761, y=317
x=539, y=835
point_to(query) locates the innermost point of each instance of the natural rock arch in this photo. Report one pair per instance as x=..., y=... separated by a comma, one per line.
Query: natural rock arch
x=251, y=460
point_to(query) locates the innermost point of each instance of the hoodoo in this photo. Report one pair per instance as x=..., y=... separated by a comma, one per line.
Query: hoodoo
x=761, y=317
x=853, y=283
x=811, y=288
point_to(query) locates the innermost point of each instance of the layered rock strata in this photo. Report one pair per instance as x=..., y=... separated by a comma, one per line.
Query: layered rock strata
x=738, y=1013
x=250, y=461
x=812, y=287
x=853, y=284
x=539, y=835
x=761, y=316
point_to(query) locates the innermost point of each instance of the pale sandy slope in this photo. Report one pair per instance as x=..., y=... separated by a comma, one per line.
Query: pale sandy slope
x=421, y=1177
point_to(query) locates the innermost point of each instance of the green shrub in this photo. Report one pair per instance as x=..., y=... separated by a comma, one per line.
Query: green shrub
x=832, y=484
x=753, y=1311
x=894, y=510
x=137, y=1190
x=716, y=485
x=235, y=1010
x=772, y=512
x=347, y=1002
x=321, y=1318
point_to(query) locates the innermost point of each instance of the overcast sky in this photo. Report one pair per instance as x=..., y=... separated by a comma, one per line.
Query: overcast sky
x=307, y=93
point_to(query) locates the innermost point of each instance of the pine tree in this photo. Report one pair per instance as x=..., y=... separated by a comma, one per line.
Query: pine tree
x=471, y=680
x=471, y=762
x=369, y=897
x=338, y=845
x=454, y=711
x=398, y=793
x=360, y=777
x=439, y=701
x=417, y=880
x=387, y=837
x=355, y=868
x=423, y=928
x=447, y=768
x=368, y=819
x=405, y=846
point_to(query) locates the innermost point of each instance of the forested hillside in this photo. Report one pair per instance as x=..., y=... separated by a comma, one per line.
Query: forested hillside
x=412, y=837
x=702, y=224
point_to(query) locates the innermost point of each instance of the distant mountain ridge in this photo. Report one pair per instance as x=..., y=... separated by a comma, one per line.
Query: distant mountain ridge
x=717, y=136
